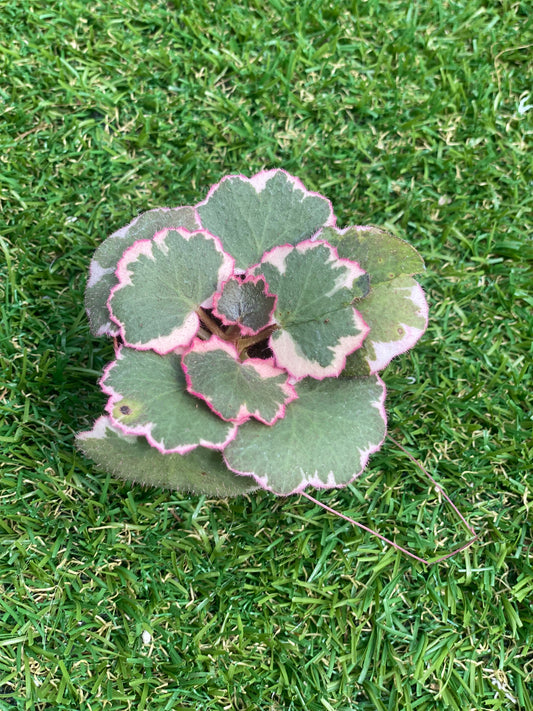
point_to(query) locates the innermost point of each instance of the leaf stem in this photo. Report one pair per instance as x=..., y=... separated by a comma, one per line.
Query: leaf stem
x=438, y=489
x=244, y=343
x=233, y=333
x=203, y=334
x=210, y=323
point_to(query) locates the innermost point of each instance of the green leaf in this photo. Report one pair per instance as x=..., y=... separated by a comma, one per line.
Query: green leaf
x=148, y=396
x=324, y=440
x=104, y=262
x=397, y=313
x=318, y=327
x=162, y=284
x=381, y=254
x=246, y=303
x=252, y=215
x=133, y=459
x=236, y=390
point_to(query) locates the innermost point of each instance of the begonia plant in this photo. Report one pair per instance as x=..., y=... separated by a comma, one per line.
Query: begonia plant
x=249, y=332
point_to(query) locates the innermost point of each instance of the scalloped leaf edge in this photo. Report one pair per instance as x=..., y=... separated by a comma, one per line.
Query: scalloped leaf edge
x=245, y=330
x=145, y=430
x=281, y=342
x=315, y=481
x=182, y=335
x=97, y=272
x=266, y=368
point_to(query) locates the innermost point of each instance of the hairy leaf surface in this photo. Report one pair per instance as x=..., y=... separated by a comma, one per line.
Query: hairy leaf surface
x=397, y=313
x=246, y=303
x=131, y=458
x=148, y=396
x=162, y=284
x=236, y=390
x=324, y=440
x=381, y=254
x=252, y=215
x=104, y=262
x=318, y=327
x=395, y=308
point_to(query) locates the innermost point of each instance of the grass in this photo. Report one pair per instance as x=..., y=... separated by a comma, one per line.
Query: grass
x=412, y=115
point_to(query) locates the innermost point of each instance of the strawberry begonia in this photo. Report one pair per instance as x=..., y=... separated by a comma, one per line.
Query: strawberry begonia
x=249, y=335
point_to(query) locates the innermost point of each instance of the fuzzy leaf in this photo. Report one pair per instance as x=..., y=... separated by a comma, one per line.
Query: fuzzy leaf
x=397, y=313
x=104, y=262
x=162, y=283
x=324, y=440
x=381, y=254
x=236, y=390
x=395, y=308
x=318, y=327
x=133, y=459
x=148, y=397
x=246, y=303
x=252, y=215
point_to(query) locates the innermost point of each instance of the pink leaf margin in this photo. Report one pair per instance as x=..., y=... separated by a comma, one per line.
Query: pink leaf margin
x=315, y=480
x=386, y=351
x=183, y=335
x=96, y=271
x=259, y=181
x=146, y=429
x=288, y=357
x=250, y=279
x=282, y=344
x=265, y=368
x=277, y=257
x=99, y=430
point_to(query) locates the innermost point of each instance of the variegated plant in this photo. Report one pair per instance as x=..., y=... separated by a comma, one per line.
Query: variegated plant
x=249, y=333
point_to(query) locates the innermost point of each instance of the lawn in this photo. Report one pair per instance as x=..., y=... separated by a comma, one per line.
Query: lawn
x=415, y=116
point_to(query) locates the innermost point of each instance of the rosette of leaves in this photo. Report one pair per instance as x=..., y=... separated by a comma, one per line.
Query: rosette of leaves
x=249, y=333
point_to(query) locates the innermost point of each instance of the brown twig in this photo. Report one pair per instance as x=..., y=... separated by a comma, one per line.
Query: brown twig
x=245, y=343
x=210, y=323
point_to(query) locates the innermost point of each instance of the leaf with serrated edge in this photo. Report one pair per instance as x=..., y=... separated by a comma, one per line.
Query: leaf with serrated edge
x=318, y=327
x=162, y=283
x=245, y=302
x=236, y=390
x=324, y=440
x=131, y=458
x=148, y=396
x=397, y=313
x=105, y=259
x=252, y=215
x=383, y=255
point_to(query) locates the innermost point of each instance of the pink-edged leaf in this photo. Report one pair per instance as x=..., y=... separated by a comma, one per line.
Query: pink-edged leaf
x=381, y=254
x=104, y=262
x=162, y=283
x=324, y=440
x=397, y=313
x=245, y=302
x=318, y=326
x=252, y=215
x=148, y=396
x=395, y=307
x=131, y=458
x=236, y=390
